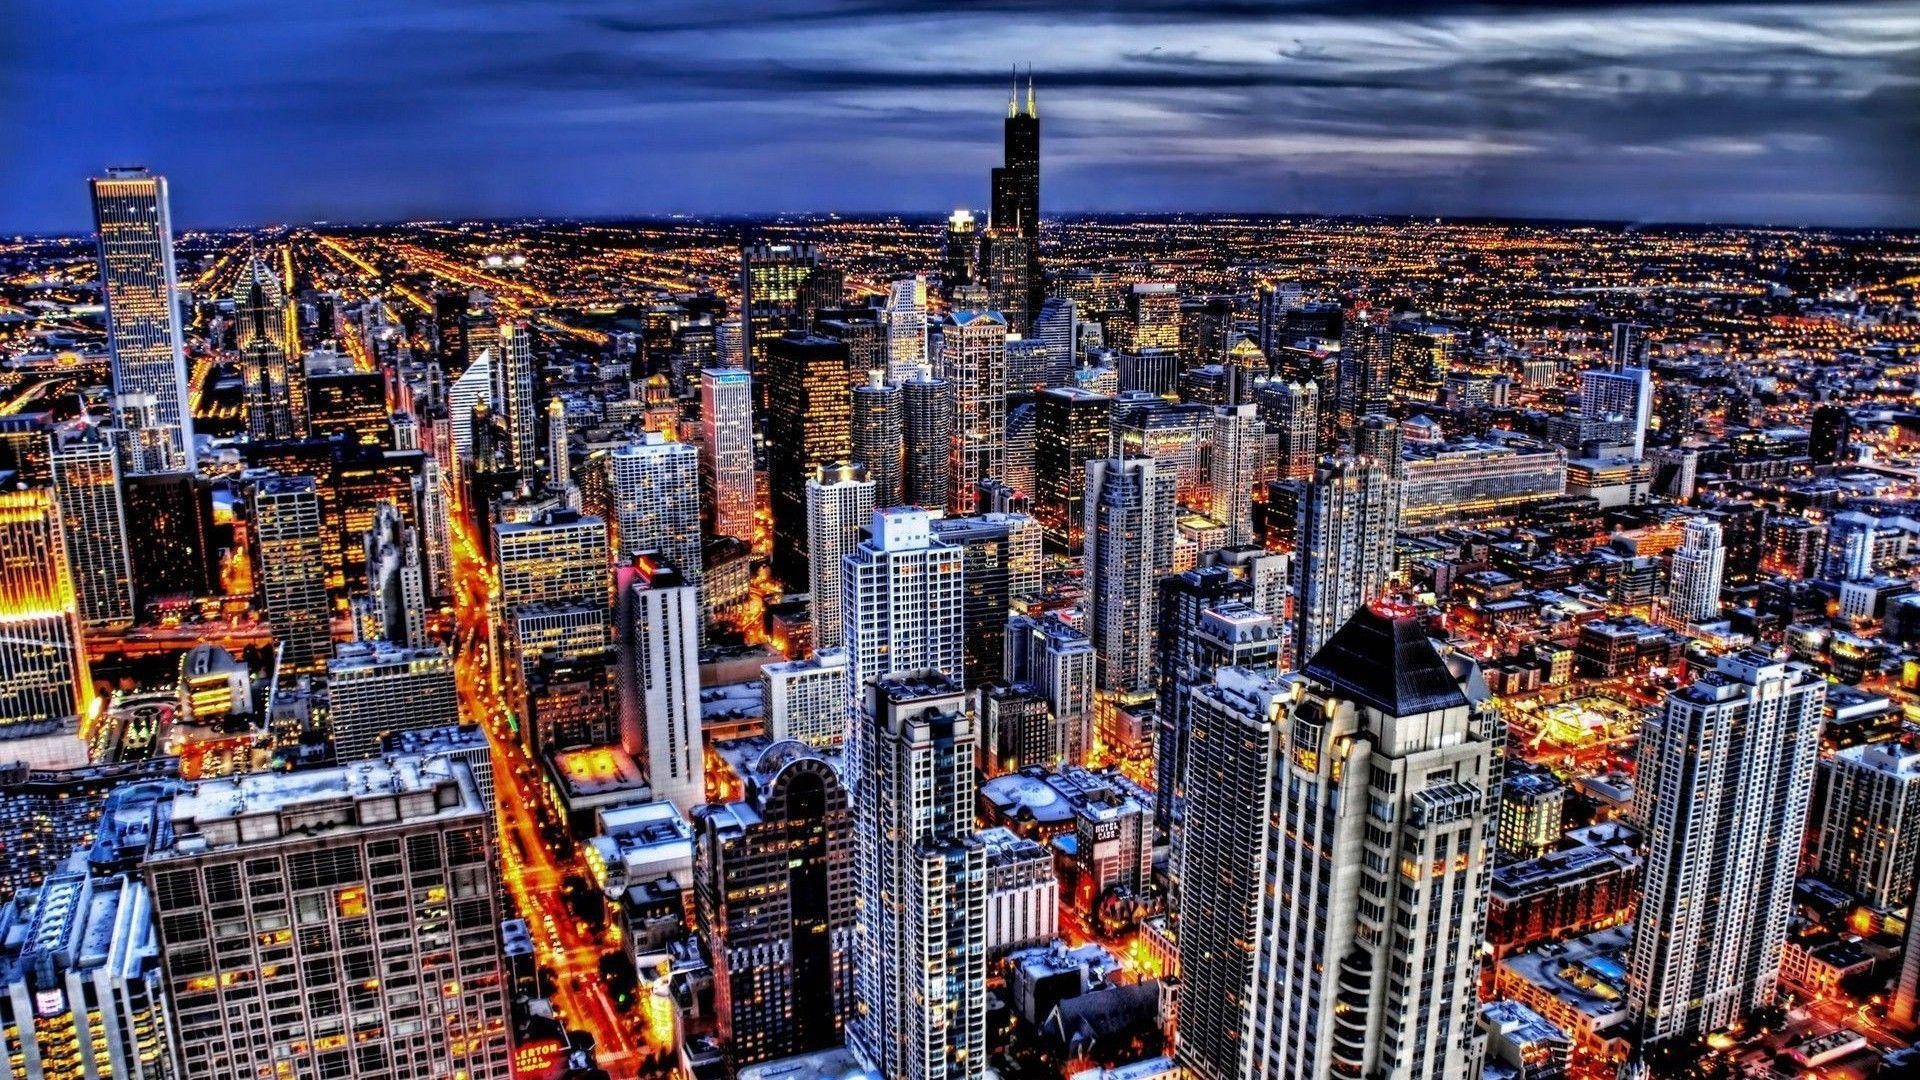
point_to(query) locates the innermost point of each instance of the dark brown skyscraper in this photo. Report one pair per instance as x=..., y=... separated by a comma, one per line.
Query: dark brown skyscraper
x=809, y=424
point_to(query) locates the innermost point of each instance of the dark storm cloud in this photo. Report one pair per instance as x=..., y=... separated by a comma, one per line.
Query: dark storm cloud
x=1770, y=111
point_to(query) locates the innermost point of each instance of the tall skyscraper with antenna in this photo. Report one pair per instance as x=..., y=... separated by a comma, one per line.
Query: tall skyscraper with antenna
x=1013, y=217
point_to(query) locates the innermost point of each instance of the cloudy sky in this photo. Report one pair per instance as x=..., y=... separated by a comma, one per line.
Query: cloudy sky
x=322, y=109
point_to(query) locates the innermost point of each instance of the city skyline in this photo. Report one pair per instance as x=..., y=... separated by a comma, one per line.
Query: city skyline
x=1673, y=113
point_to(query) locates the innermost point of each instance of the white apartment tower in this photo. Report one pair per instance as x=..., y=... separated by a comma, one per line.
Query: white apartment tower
x=839, y=505
x=659, y=646
x=1334, y=859
x=1728, y=766
x=1128, y=549
x=921, y=878
x=907, y=328
x=1693, y=595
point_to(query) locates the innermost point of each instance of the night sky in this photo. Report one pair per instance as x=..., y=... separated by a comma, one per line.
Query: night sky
x=296, y=111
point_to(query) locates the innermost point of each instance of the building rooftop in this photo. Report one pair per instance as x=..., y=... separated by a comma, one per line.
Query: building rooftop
x=1387, y=662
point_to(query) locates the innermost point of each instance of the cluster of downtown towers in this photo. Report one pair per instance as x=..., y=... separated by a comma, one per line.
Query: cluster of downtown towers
x=1326, y=774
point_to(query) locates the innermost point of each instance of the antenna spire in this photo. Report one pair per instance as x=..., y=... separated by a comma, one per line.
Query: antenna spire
x=1031, y=110
x=1013, y=99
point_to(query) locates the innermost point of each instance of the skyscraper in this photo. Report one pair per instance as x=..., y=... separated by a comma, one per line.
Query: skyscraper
x=656, y=497
x=1365, y=382
x=1304, y=948
x=368, y=894
x=1129, y=548
x=659, y=646
x=921, y=879
x=1616, y=403
x=1865, y=832
x=559, y=557
x=726, y=450
x=290, y=571
x=958, y=259
x=1015, y=207
x=1239, y=447
x=809, y=425
x=43, y=669
x=93, y=524
x=1292, y=411
x=1205, y=623
x=907, y=328
x=773, y=278
x=1348, y=515
x=1693, y=595
x=1001, y=564
x=773, y=879
x=512, y=375
x=80, y=987
x=879, y=436
x=1830, y=431
x=396, y=578
x=135, y=226
x=806, y=700
x=1905, y=1009
x=927, y=413
x=377, y=688
x=1070, y=429
x=470, y=394
x=973, y=360
x=1057, y=327
x=901, y=602
x=266, y=331
x=559, y=453
x=840, y=502
x=1057, y=660
x=1728, y=768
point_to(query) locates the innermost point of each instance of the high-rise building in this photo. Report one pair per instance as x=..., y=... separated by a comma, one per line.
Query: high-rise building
x=135, y=227
x=902, y=606
x=43, y=669
x=809, y=425
x=1616, y=406
x=470, y=395
x=1728, y=769
x=1864, y=835
x=1205, y=624
x=1153, y=317
x=1347, y=518
x=659, y=644
x=1292, y=412
x=1239, y=450
x=1013, y=218
x=773, y=877
x=80, y=988
x=1304, y=950
x=1629, y=347
x=961, y=252
x=656, y=499
x=726, y=450
x=1693, y=595
x=339, y=922
x=1057, y=328
x=396, y=579
x=1829, y=432
x=1905, y=1009
x=177, y=554
x=921, y=1003
x=377, y=688
x=1001, y=564
x=879, y=436
x=840, y=502
x=290, y=571
x=973, y=361
x=93, y=524
x=1364, y=386
x=559, y=455
x=926, y=409
x=1006, y=258
x=806, y=700
x=513, y=397
x=1129, y=548
x=266, y=331
x=907, y=328
x=1057, y=659
x=1070, y=428
x=773, y=280
x=1145, y=425
x=559, y=557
